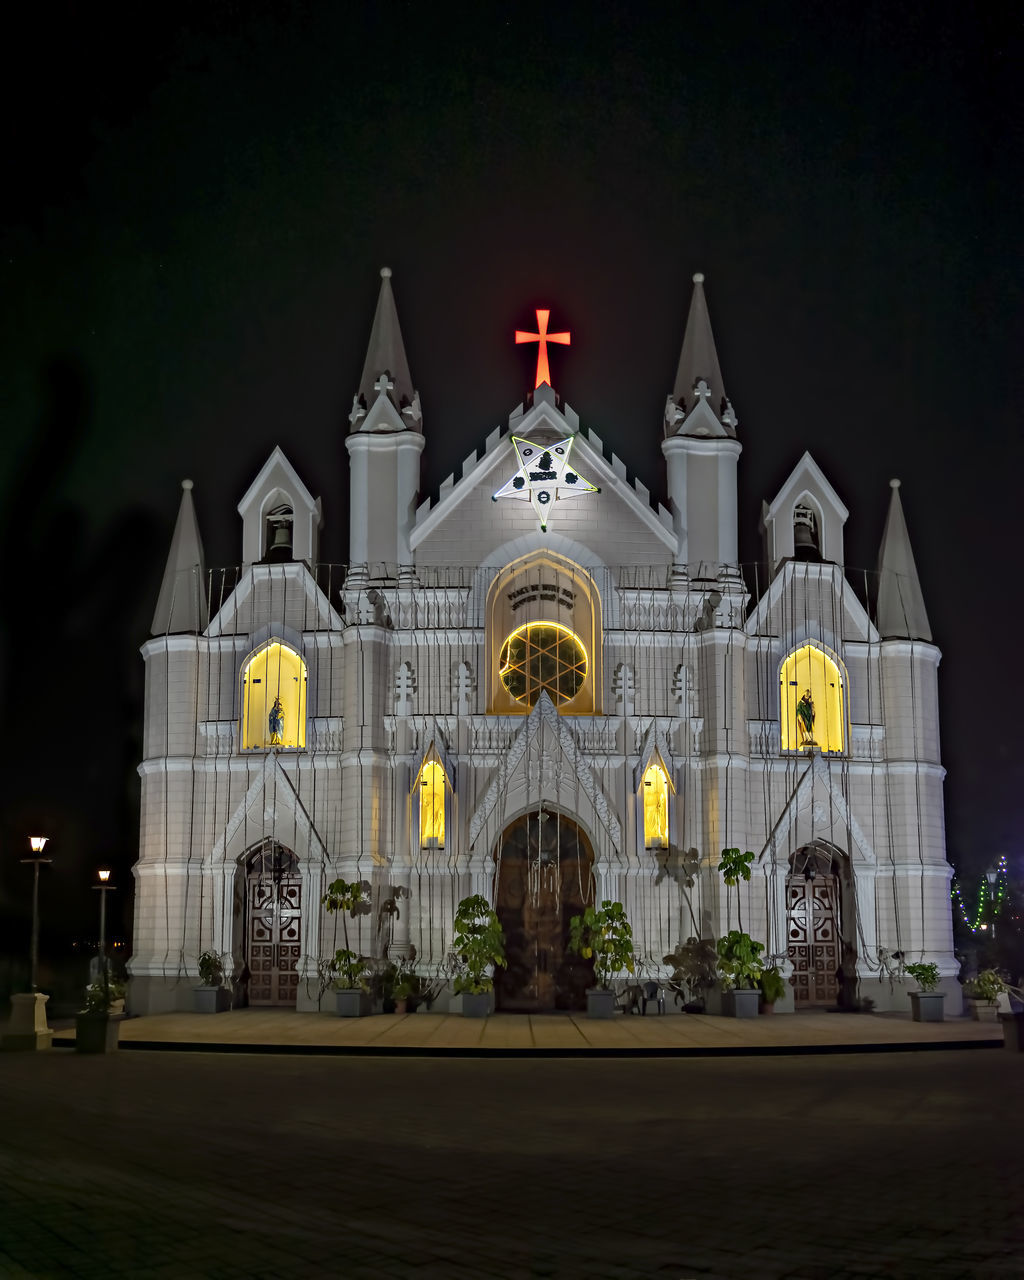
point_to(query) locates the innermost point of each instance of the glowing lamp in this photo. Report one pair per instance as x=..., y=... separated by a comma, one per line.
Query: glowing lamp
x=38, y=843
x=104, y=875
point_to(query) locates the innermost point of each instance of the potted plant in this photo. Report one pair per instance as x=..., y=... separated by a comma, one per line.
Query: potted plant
x=983, y=991
x=211, y=996
x=605, y=936
x=694, y=965
x=98, y=1026
x=739, y=963
x=348, y=969
x=479, y=944
x=772, y=986
x=926, y=1005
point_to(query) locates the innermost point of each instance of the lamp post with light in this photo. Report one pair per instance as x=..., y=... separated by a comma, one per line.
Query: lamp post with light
x=992, y=876
x=28, y=1028
x=103, y=888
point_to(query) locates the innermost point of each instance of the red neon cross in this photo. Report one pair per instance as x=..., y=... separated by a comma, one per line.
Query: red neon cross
x=543, y=337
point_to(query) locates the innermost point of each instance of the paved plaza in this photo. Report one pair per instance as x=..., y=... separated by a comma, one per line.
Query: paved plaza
x=162, y=1164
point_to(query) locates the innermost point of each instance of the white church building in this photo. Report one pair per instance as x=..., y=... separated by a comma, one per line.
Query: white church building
x=543, y=688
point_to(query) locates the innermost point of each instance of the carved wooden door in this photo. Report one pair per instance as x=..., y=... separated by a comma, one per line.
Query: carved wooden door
x=275, y=925
x=814, y=942
x=544, y=879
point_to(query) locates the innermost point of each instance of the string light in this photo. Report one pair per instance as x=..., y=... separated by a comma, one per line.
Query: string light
x=985, y=895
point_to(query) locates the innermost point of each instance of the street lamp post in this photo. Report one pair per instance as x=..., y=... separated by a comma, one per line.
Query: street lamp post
x=992, y=876
x=103, y=889
x=28, y=1028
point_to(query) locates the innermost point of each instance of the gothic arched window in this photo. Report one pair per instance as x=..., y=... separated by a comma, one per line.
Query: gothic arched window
x=432, y=788
x=273, y=698
x=654, y=795
x=812, y=701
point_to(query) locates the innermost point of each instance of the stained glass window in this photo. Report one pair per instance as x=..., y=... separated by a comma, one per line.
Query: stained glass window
x=542, y=655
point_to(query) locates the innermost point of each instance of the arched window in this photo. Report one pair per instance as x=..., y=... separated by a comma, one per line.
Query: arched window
x=432, y=788
x=273, y=698
x=655, y=801
x=812, y=701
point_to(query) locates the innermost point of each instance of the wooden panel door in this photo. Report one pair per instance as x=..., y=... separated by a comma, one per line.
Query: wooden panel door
x=275, y=924
x=814, y=939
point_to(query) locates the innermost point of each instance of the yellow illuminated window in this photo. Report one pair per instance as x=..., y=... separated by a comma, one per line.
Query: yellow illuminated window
x=812, y=702
x=432, y=794
x=274, y=699
x=655, y=796
x=542, y=655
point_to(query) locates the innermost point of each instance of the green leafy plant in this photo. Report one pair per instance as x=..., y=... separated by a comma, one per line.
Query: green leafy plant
x=211, y=969
x=347, y=970
x=694, y=965
x=925, y=975
x=772, y=984
x=605, y=936
x=733, y=867
x=479, y=944
x=986, y=986
x=739, y=960
x=346, y=898
x=101, y=995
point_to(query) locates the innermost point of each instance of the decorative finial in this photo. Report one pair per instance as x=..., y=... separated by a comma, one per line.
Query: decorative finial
x=894, y=484
x=698, y=277
x=385, y=273
x=186, y=485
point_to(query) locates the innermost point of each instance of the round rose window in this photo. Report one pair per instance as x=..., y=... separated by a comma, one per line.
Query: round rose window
x=542, y=655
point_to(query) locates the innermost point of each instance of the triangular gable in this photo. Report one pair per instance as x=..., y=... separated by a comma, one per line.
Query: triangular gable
x=307, y=610
x=271, y=807
x=499, y=463
x=769, y=615
x=435, y=750
x=543, y=763
x=654, y=750
x=278, y=478
x=806, y=483
x=816, y=810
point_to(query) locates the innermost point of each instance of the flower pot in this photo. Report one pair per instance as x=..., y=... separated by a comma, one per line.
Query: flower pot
x=741, y=1002
x=476, y=1004
x=983, y=1010
x=600, y=1003
x=767, y=1008
x=352, y=1004
x=401, y=1006
x=96, y=1032
x=927, y=1006
x=211, y=999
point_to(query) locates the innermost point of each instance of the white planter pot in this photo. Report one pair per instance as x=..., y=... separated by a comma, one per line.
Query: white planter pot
x=741, y=1002
x=211, y=999
x=352, y=1004
x=600, y=1003
x=927, y=1006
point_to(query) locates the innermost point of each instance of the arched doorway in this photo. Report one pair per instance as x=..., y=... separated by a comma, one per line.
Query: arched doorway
x=821, y=956
x=544, y=877
x=272, y=924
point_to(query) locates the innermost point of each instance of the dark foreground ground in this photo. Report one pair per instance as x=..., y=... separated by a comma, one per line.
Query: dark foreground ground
x=202, y=1165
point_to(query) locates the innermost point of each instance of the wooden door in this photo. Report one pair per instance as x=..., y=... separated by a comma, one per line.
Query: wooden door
x=274, y=941
x=814, y=939
x=544, y=878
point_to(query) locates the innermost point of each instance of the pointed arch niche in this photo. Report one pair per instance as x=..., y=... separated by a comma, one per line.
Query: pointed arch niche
x=431, y=802
x=812, y=701
x=274, y=680
x=543, y=634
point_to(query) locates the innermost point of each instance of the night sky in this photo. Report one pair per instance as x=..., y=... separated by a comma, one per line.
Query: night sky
x=195, y=217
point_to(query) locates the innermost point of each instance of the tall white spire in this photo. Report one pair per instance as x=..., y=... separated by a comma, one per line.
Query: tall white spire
x=699, y=378
x=901, y=611
x=386, y=368
x=182, y=605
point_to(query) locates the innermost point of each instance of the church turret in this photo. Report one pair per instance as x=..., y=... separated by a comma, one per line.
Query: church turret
x=701, y=450
x=901, y=611
x=182, y=605
x=384, y=443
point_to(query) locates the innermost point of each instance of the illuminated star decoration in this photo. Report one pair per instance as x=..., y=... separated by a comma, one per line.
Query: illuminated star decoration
x=544, y=475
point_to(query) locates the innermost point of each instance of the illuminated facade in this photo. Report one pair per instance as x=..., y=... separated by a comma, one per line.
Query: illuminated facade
x=542, y=687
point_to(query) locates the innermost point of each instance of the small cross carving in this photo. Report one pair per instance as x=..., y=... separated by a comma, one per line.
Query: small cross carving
x=383, y=384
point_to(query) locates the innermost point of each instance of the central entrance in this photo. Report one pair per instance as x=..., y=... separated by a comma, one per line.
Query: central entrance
x=273, y=925
x=544, y=877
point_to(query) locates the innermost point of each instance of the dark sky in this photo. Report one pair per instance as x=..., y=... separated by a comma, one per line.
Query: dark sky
x=197, y=206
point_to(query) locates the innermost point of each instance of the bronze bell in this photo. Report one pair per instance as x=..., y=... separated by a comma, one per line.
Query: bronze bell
x=279, y=546
x=805, y=535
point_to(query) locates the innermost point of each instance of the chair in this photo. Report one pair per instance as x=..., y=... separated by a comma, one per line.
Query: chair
x=651, y=991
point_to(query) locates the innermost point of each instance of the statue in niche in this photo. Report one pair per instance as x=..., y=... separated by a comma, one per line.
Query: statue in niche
x=276, y=721
x=655, y=812
x=805, y=719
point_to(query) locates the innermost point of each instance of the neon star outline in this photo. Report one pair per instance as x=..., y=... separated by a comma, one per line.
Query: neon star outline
x=544, y=476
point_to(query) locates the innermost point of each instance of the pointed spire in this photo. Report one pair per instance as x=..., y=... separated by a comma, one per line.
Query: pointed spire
x=699, y=376
x=901, y=611
x=386, y=370
x=182, y=605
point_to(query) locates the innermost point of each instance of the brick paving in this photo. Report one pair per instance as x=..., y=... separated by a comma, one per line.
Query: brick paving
x=155, y=1164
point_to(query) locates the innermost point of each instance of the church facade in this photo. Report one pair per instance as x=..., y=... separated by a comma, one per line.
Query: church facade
x=543, y=688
